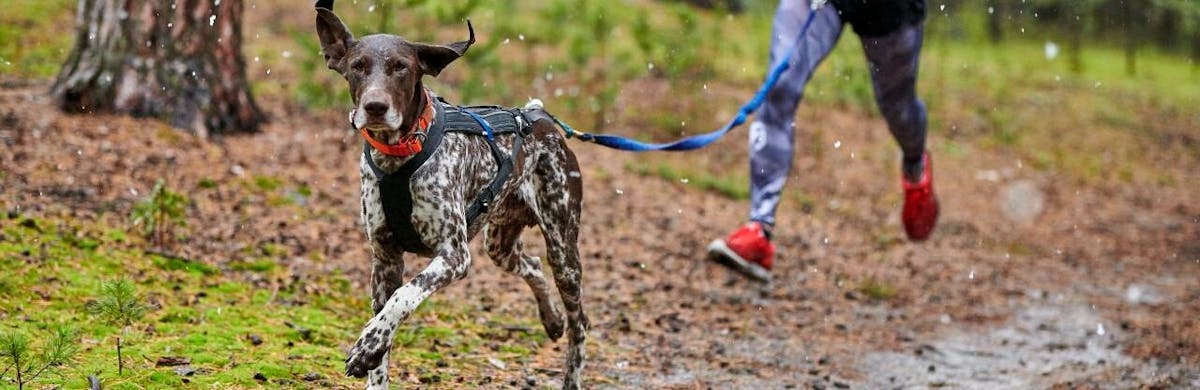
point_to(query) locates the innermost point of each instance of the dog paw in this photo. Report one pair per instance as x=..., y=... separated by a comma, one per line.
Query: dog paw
x=553, y=323
x=368, y=351
x=571, y=383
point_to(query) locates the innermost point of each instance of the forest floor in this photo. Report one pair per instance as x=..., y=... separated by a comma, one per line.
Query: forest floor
x=1072, y=286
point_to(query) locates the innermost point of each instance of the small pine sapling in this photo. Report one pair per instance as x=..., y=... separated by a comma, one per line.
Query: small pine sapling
x=160, y=213
x=22, y=365
x=120, y=305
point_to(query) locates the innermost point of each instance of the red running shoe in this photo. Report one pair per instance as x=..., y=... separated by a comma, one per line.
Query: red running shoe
x=746, y=251
x=920, y=204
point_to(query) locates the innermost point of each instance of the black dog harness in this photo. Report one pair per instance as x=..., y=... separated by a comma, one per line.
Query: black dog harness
x=484, y=121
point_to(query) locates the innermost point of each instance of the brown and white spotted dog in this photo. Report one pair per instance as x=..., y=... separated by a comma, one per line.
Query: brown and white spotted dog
x=544, y=190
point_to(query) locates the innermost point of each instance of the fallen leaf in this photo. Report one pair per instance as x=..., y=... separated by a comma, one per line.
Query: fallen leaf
x=171, y=361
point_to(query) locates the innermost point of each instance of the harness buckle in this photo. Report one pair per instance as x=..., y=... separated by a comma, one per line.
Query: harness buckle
x=410, y=143
x=485, y=199
x=523, y=125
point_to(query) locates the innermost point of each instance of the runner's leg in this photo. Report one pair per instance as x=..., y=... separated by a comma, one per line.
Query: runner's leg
x=772, y=132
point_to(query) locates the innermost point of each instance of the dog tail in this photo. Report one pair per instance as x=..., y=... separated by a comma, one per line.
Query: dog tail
x=535, y=104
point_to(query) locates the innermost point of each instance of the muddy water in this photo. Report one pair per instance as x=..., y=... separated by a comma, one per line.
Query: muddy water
x=1055, y=343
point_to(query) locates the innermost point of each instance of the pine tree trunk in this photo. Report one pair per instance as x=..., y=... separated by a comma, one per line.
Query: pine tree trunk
x=995, y=22
x=1196, y=50
x=1076, y=49
x=178, y=60
x=1131, y=37
x=17, y=365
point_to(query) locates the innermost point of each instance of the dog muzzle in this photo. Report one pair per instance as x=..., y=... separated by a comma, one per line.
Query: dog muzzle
x=409, y=144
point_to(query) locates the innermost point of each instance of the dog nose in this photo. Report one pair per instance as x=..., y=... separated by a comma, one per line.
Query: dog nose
x=375, y=108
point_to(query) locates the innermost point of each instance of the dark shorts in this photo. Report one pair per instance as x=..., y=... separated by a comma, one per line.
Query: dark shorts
x=873, y=18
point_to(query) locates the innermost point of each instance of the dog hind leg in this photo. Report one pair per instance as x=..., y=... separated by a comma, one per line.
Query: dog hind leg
x=504, y=247
x=559, y=194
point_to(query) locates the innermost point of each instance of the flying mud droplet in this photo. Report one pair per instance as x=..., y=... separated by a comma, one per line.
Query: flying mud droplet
x=1051, y=50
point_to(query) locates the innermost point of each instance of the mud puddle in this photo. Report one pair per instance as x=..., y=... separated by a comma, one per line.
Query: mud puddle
x=1058, y=342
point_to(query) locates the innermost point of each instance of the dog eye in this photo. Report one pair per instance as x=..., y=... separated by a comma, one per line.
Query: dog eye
x=359, y=66
x=399, y=68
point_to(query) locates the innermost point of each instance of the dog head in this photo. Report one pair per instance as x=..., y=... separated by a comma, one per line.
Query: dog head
x=384, y=72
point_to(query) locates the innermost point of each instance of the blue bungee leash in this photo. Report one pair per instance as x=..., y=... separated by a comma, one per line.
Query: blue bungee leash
x=701, y=140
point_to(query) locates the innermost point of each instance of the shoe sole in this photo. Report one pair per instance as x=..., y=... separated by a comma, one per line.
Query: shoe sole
x=720, y=253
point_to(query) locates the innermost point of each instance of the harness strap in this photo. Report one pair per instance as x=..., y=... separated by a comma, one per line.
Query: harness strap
x=505, y=165
x=482, y=123
x=395, y=192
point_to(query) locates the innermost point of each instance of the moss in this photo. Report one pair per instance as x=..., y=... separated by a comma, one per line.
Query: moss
x=206, y=316
x=267, y=183
x=177, y=264
x=877, y=289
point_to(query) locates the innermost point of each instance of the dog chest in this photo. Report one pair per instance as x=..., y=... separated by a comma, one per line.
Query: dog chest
x=432, y=198
x=407, y=206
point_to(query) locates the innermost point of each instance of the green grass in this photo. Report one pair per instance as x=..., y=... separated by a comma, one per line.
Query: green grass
x=203, y=314
x=34, y=37
x=207, y=314
x=731, y=186
x=267, y=183
x=877, y=290
x=260, y=265
x=1011, y=98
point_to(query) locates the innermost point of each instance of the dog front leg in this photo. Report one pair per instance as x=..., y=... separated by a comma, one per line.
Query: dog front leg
x=387, y=273
x=451, y=264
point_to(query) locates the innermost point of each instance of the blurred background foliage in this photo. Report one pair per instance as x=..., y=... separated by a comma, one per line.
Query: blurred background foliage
x=1003, y=74
x=595, y=46
x=586, y=52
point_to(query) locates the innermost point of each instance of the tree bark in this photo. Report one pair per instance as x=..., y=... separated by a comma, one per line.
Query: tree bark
x=995, y=22
x=1076, y=41
x=178, y=60
x=1131, y=36
x=1196, y=49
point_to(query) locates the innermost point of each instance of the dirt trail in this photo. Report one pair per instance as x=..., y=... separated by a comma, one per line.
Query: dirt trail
x=1098, y=289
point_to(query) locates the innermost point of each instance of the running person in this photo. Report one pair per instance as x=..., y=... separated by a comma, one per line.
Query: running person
x=891, y=32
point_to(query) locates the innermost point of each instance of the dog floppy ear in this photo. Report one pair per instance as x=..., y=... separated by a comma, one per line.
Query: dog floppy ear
x=336, y=39
x=435, y=57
